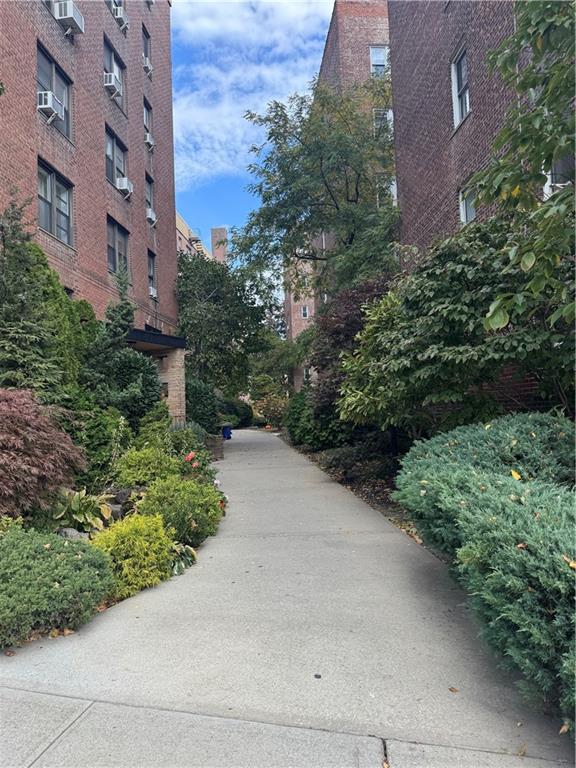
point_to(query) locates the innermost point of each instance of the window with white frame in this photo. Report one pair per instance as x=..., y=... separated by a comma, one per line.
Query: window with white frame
x=54, y=204
x=460, y=89
x=146, y=43
x=560, y=175
x=307, y=375
x=467, y=207
x=304, y=311
x=115, y=157
x=49, y=77
x=378, y=60
x=117, y=246
x=149, y=191
x=113, y=65
x=382, y=119
x=147, y=117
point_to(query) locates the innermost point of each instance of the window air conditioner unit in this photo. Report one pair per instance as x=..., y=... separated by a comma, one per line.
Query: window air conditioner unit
x=149, y=140
x=153, y=291
x=119, y=13
x=69, y=16
x=112, y=84
x=124, y=184
x=147, y=65
x=151, y=217
x=50, y=106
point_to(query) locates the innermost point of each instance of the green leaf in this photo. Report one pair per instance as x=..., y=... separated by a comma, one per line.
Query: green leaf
x=527, y=262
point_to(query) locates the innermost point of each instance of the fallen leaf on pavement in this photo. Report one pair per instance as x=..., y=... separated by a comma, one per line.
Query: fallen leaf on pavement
x=564, y=729
x=9, y=653
x=522, y=751
x=453, y=690
x=67, y=632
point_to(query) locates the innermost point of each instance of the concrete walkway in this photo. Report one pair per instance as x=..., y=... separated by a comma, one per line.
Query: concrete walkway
x=311, y=634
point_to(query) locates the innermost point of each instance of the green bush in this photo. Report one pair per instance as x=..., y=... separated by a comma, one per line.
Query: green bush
x=497, y=498
x=142, y=467
x=273, y=409
x=236, y=411
x=229, y=419
x=244, y=412
x=140, y=551
x=48, y=583
x=517, y=563
x=315, y=431
x=189, y=438
x=154, y=429
x=192, y=509
x=201, y=405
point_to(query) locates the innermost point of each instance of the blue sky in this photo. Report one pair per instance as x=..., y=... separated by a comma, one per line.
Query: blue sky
x=229, y=57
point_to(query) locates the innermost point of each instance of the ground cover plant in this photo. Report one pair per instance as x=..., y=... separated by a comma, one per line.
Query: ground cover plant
x=497, y=497
x=48, y=583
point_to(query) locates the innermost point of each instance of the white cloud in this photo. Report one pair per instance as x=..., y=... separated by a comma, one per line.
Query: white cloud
x=231, y=57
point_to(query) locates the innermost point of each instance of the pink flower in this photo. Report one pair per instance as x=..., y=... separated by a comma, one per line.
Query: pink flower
x=190, y=456
x=195, y=465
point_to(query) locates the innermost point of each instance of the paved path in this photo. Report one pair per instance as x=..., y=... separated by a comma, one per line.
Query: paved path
x=311, y=634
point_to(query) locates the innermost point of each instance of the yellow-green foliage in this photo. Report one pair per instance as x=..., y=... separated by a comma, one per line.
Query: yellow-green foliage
x=193, y=509
x=140, y=551
x=142, y=467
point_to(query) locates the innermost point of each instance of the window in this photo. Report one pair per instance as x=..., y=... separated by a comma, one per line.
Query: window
x=382, y=119
x=54, y=204
x=378, y=60
x=147, y=117
x=117, y=246
x=115, y=157
x=49, y=77
x=460, y=91
x=561, y=174
x=151, y=270
x=113, y=65
x=146, y=44
x=307, y=375
x=467, y=207
x=149, y=192
x=304, y=311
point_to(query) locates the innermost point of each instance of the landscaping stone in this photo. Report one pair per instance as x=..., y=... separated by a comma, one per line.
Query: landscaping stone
x=72, y=534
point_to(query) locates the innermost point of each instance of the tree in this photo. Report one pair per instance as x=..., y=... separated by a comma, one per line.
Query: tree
x=424, y=348
x=322, y=175
x=534, y=145
x=221, y=319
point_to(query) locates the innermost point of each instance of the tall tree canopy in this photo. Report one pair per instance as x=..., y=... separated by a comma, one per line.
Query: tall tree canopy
x=221, y=318
x=323, y=177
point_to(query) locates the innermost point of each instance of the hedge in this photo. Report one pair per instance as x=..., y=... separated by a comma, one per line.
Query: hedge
x=496, y=497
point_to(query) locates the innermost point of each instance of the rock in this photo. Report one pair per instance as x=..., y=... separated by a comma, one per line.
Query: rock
x=72, y=534
x=117, y=511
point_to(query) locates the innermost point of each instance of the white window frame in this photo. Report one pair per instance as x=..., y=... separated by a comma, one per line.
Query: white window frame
x=460, y=95
x=62, y=90
x=117, y=68
x=304, y=313
x=466, y=202
x=377, y=69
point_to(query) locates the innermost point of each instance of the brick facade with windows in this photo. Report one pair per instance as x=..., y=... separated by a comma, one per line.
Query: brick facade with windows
x=80, y=160
x=436, y=151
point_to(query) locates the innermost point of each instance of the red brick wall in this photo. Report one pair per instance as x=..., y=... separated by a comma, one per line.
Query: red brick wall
x=355, y=26
x=433, y=160
x=26, y=136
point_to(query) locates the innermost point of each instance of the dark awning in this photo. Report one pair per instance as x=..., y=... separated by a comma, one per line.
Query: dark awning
x=151, y=341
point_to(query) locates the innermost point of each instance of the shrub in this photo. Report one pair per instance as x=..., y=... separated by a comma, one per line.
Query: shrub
x=197, y=465
x=189, y=438
x=140, y=550
x=154, y=429
x=77, y=509
x=142, y=467
x=201, y=405
x=315, y=431
x=244, y=413
x=517, y=562
x=192, y=509
x=36, y=457
x=229, y=419
x=235, y=411
x=48, y=583
x=273, y=408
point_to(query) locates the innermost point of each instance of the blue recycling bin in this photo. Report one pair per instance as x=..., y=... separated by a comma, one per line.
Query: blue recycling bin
x=227, y=432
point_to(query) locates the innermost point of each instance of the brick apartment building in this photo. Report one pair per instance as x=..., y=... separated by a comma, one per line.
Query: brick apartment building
x=448, y=107
x=86, y=126
x=219, y=244
x=356, y=49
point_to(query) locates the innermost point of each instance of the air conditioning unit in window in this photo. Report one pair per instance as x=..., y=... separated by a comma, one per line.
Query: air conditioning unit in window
x=151, y=217
x=69, y=16
x=124, y=184
x=112, y=84
x=50, y=106
x=153, y=291
x=149, y=140
x=147, y=65
x=119, y=13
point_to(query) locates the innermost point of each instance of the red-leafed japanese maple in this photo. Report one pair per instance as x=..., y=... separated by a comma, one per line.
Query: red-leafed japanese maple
x=36, y=457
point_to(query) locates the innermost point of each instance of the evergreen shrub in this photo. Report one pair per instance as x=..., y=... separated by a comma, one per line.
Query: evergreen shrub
x=189, y=438
x=201, y=405
x=47, y=582
x=314, y=430
x=192, y=509
x=143, y=466
x=140, y=551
